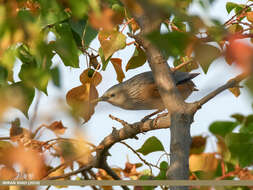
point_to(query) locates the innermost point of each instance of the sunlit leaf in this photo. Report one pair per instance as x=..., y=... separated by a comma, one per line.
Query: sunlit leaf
x=152, y=144
x=250, y=16
x=117, y=64
x=231, y=6
x=203, y=162
x=137, y=60
x=111, y=41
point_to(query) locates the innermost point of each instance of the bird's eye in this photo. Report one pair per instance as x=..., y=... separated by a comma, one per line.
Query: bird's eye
x=112, y=95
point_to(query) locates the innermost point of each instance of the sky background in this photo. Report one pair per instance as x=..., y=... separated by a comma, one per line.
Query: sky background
x=100, y=125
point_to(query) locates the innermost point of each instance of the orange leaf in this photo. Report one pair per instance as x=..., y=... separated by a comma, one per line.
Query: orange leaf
x=80, y=99
x=30, y=161
x=107, y=19
x=90, y=76
x=118, y=68
x=203, y=162
x=57, y=127
x=241, y=53
x=7, y=173
x=250, y=16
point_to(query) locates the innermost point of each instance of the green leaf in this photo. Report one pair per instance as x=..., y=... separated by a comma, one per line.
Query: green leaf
x=239, y=117
x=28, y=94
x=3, y=75
x=65, y=45
x=23, y=53
x=111, y=41
x=205, y=54
x=55, y=74
x=222, y=128
x=241, y=147
x=90, y=34
x=137, y=60
x=152, y=144
x=102, y=57
x=82, y=32
x=230, y=6
x=170, y=44
x=51, y=12
x=79, y=8
x=33, y=76
x=163, y=169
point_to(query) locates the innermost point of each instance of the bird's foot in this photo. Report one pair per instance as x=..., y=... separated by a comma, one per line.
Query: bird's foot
x=150, y=115
x=157, y=117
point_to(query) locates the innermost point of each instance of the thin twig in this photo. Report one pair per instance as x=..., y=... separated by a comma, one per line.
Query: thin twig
x=35, y=111
x=48, y=187
x=128, y=22
x=230, y=84
x=110, y=172
x=138, y=155
x=181, y=65
x=4, y=138
x=70, y=173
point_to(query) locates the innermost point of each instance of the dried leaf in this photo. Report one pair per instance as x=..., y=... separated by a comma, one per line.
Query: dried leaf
x=90, y=76
x=94, y=62
x=134, y=26
x=236, y=91
x=111, y=41
x=81, y=100
x=30, y=162
x=107, y=19
x=7, y=173
x=203, y=162
x=57, y=127
x=130, y=171
x=116, y=62
x=198, y=145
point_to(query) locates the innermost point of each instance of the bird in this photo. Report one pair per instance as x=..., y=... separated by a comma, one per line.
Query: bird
x=141, y=93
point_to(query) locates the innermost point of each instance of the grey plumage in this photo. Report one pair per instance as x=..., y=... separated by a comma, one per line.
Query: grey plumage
x=141, y=93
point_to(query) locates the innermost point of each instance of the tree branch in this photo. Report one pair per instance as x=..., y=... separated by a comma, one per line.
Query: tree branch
x=230, y=84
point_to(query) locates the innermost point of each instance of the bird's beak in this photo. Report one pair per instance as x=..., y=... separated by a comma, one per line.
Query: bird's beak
x=100, y=99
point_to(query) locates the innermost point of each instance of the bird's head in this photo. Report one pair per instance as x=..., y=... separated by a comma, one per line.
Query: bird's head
x=114, y=95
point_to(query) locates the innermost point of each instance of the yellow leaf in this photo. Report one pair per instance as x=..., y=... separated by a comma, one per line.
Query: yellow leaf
x=118, y=68
x=111, y=41
x=81, y=100
x=203, y=162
